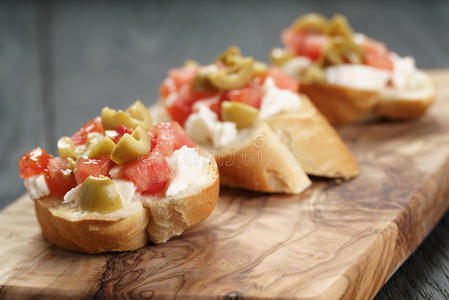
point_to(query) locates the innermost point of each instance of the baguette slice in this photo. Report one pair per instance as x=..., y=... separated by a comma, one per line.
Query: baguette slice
x=314, y=142
x=258, y=161
x=276, y=154
x=344, y=105
x=132, y=226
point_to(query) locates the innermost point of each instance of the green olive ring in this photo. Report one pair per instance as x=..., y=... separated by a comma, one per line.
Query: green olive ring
x=339, y=26
x=311, y=22
x=98, y=194
x=337, y=50
x=234, y=76
x=243, y=115
x=280, y=56
x=131, y=146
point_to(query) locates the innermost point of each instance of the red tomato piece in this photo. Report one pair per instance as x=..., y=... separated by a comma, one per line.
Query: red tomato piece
x=34, y=162
x=179, y=110
x=80, y=137
x=303, y=43
x=372, y=45
x=313, y=44
x=281, y=79
x=121, y=130
x=380, y=61
x=60, y=178
x=165, y=88
x=168, y=137
x=150, y=173
x=92, y=166
x=183, y=76
x=251, y=95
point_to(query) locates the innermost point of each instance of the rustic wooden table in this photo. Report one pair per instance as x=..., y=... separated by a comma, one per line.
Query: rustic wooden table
x=62, y=61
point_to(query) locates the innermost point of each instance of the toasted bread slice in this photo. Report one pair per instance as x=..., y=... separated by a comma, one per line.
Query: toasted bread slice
x=314, y=142
x=294, y=143
x=131, y=227
x=258, y=161
x=343, y=105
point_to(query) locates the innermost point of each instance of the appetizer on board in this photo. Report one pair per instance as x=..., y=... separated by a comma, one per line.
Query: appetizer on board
x=119, y=182
x=264, y=135
x=349, y=76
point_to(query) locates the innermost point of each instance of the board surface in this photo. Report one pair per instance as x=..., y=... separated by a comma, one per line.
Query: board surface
x=333, y=241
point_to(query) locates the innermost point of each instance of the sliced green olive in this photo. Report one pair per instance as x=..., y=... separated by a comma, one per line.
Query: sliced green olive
x=66, y=147
x=190, y=63
x=259, y=68
x=227, y=55
x=110, y=118
x=235, y=76
x=241, y=114
x=314, y=74
x=311, y=22
x=340, y=50
x=202, y=83
x=98, y=194
x=339, y=26
x=140, y=112
x=71, y=162
x=131, y=146
x=105, y=146
x=280, y=56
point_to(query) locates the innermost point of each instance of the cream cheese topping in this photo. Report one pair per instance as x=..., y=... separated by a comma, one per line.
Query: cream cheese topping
x=357, y=76
x=36, y=186
x=189, y=169
x=204, y=127
x=276, y=100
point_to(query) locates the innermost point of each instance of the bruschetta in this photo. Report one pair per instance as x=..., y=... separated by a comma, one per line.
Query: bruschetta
x=264, y=135
x=349, y=76
x=119, y=182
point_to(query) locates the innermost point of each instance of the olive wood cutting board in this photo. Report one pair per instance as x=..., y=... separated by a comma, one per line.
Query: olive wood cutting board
x=332, y=241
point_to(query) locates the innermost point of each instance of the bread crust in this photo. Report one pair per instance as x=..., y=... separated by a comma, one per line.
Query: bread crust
x=171, y=217
x=339, y=104
x=344, y=105
x=261, y=163
x=91, y=233
x=304, y=139
x=314, y=142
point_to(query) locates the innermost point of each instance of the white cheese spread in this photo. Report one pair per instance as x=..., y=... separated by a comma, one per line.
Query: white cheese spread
x=357, y=76
x=189, y=169
x=276, y=100
x=204, y=127
x=36, y=186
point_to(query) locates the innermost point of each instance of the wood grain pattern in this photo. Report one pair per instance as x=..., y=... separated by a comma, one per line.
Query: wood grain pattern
x=335, y=241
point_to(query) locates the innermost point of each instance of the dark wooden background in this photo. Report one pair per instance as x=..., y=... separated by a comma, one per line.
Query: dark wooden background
x=60, y=62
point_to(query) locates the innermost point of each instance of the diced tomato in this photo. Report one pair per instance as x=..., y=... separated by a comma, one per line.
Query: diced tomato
x=121, y=130
x=179, y=110
x=380, y=61
x=150, y=173
x=168, y=137
x=372, y=45
x=376, y=54
x=303, y=43
x=214, y=104
x=166, y=88
x=281, y=79
x=80, y=137
x=34, y=162
x=183, y=76
x=92, y=166
x=251, y=95
x=59, y=178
